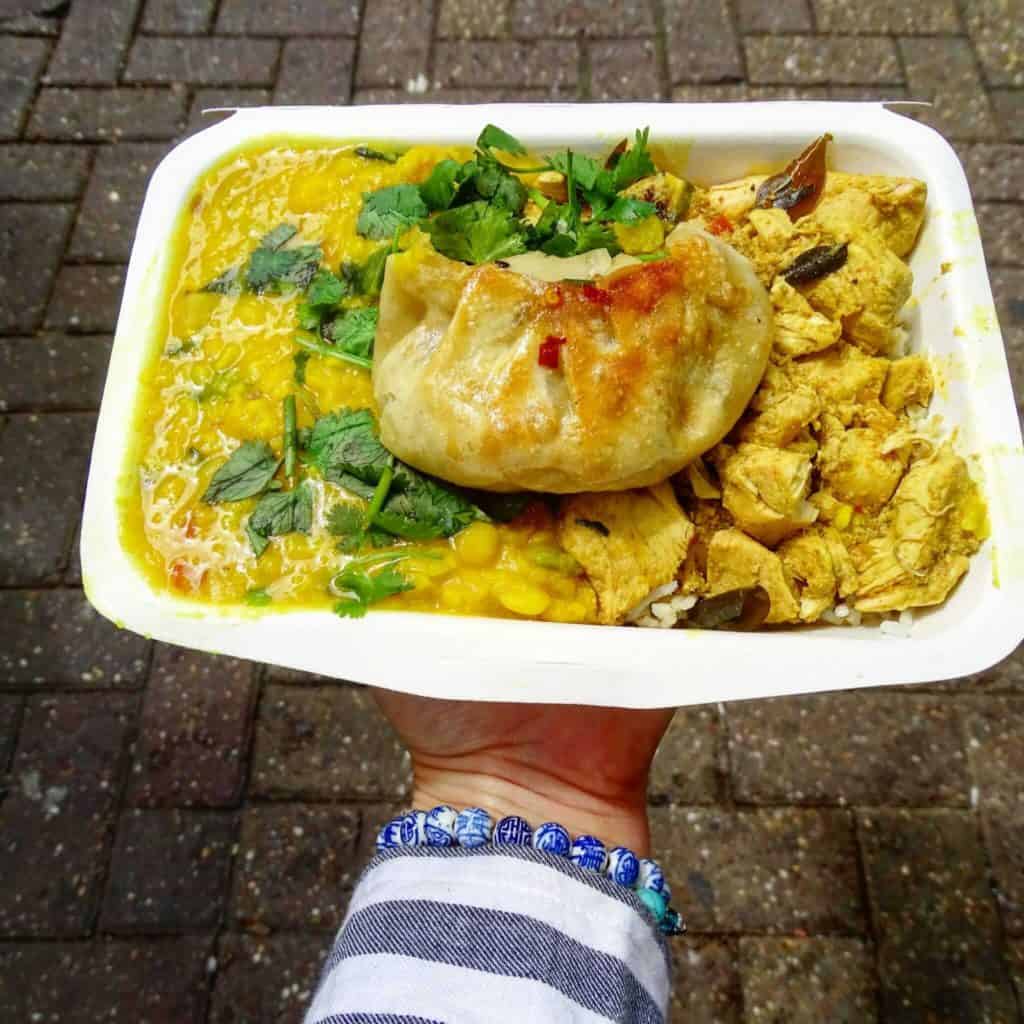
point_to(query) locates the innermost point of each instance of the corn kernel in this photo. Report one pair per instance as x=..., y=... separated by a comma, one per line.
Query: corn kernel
x=478, y=544
x=643, y=237
x=566, y=611
x=456, y=596
x=520, y=597
x=843, y=517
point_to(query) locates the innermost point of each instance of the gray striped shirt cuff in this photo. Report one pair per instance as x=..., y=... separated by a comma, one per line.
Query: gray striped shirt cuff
x=491, y=935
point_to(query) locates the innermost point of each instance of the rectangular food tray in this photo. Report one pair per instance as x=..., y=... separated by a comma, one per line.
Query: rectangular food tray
x=950, y=316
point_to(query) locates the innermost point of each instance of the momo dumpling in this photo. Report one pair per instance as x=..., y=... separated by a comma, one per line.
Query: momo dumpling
x=489, y=378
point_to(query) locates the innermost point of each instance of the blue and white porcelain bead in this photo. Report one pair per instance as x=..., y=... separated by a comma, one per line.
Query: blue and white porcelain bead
x=473, y=827
x=439, y=827
x=512, y=831
x=390, y=835
x=413, y=829
x=655, y=903
x=650, y=876
x=666, y=891
x=552, y=838
x=623, y=866
x=589, y=852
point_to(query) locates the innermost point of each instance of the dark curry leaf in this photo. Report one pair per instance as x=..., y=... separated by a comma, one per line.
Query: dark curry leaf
x=814, y=263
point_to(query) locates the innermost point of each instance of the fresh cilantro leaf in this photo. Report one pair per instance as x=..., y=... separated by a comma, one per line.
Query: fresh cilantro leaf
x=419, y=508
x=217, y=387
x=347, y=522
x=390, y=209
x=312, y=344
x=277, y=237
x=626, y=210
x=476, y=233
x=345, y=443
x=492, y=137
x=275, y=270
x=301, y=358
x=439, y=189
x=371, y=274
x=366, y=589
x=325, y=293
x=501, y=507
x=258, y=597
x=375, y=154
x=353, y=332
x=585, y=169
x=635, y=163
x=247, y=472
x=280, y=513
x=225, y=284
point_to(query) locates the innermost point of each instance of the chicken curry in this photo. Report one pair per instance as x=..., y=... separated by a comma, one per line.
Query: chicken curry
x=383, y=372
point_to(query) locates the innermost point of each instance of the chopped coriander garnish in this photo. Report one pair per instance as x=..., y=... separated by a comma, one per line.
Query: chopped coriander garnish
x=390, y=209
x=319, y=348
x=477, y=233
x=279, y=513
x=246, y=473
x=363, y=588
x=258, y=597
x=290, y=441
x=300, y=359
x=375, y=154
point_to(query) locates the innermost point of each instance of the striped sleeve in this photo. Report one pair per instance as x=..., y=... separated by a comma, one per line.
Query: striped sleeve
x=492, y=935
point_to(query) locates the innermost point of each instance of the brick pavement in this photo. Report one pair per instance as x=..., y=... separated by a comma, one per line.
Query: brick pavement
x=178, y=833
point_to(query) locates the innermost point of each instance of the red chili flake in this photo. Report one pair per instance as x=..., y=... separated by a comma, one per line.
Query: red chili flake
x=547, y=355
x=720, y=224
x=597, y=295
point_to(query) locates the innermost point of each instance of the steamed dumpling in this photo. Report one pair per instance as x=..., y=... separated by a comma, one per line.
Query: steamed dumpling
x=656, y=362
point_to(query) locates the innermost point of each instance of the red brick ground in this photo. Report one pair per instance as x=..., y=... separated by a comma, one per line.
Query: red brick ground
x=178, y=833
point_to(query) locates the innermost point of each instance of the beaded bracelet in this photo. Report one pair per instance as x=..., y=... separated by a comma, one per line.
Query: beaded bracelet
x=473, y=827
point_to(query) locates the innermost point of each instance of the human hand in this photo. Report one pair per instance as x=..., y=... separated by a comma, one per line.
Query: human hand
x=584, y=767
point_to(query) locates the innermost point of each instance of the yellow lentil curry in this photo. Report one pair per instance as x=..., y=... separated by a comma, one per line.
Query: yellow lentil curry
x=830, y=492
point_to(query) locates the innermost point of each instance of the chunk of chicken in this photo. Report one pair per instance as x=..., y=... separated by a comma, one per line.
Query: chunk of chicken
x=845, y=379
x=734, y=199
x=820, y=567
x=909, y=382
x=799, y=329
x=865, y=295
x=738, y=562
x=930, y=532
x=646, y=540
x=888, y=209
x=858, y=465
x=781, y=418
x=765, y=489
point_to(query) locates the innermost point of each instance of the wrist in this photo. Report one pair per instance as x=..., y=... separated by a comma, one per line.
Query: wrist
x=619, y=820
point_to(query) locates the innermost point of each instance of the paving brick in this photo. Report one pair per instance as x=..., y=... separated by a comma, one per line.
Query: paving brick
x=86, y=298
x=805, y=981
x=27, y=271
x=706, y=984
x=855, y=748
x=56, y=820
x=1009, y=107
x=702, y=45
x=265, y=978
x=1008, y=291
x=474, y=94
x=332, y=82
x=56, y=638
x=614, y=19
x=107, y=114
x=207, y=98
x=997, y=31
x=43, y=172
x=935, y=921
x=710, y=92
x=194, y=731
x=21, y=64
x=202, y=61
x=995, y=730
x=394, y=41
x=178, y=17
x=774, y=871
x=44, y=459
x=685, y=769
x=1015, y=961
x=52, y=372
x=469, y=19
x=295, y=864
x=757, y=16
x=871, y=93
x=624, y=69
x=849, y=60
x=110, y=209
x=325, y=743
x=943, y=72
x=93, y=43
x=538, y=65
x=10, y=716
x=290, y=17
x=883, y=17
x=1002, y=227
x=168, y=871
x=156, y=981
x=30, y=25
x=995, y=171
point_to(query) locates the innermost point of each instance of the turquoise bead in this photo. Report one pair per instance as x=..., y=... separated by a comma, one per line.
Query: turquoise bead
x=654, y=901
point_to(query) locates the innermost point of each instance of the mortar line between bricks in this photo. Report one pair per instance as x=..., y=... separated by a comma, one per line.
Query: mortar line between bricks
x=248, y=34
x=435, y=21
x=661, y=48
x=30, y=107
x=132, y=36
x=815, y=28
x=902, y=64
x=869, y=913
x=723, y=758
x=734, y=22
x=584, y=92
x=986, y=85
x=19, y=718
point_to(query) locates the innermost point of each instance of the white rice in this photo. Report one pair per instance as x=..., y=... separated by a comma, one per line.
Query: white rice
x=899, y=627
